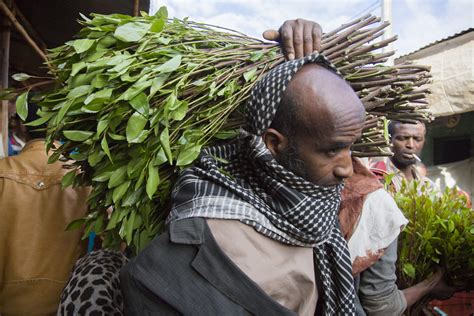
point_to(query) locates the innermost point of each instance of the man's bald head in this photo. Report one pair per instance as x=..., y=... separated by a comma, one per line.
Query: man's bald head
x=318, y=119
x=316, y=95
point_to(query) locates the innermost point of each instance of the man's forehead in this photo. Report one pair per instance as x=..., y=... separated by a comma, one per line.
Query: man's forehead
x=410, y=129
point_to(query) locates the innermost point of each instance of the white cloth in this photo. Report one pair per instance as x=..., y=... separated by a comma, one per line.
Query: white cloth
x=379, y=225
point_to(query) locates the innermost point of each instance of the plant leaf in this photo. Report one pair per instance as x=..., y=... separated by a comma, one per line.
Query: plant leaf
x=249, y=75
x=95, y=157
x=157, y=25
x=157, y=83
x=162, y=13
x=256, y=56
x=140, y=103
x=68, y=178
x=77, y=67
x=118, y=176
x=171, y=65
x=75, y=224
x=82, y=45
x=102, y=95
x=152, y=181
x=165, y=143
x=22, y=105
x=409, y=270
x=131, y=32
x=45, y=117
x=120, y=191
x=188, y=155
x=134, y=90
x=77, y=136
x=129, y=227
x=160, y=157
x=105, y=147
x=21, y=76
x=135, y=125
x=179, y=112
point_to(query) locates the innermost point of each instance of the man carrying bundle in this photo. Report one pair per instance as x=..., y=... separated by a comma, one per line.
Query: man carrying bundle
x=270, y=210
x=254, y=225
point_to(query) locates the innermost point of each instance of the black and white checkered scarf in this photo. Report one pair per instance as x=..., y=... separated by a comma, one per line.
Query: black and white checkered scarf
x=243, y=181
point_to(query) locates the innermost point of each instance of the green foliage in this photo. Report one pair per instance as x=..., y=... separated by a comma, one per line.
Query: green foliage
x=138, y=97
x=439, y=234
x=129, y=112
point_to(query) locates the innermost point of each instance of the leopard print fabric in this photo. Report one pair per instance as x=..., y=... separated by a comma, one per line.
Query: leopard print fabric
x=94, y=286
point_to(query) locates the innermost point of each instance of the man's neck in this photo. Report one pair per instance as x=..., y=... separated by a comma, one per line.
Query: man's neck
x=407, y=171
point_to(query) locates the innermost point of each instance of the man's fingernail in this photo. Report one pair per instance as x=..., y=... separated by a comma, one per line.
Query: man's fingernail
x=291, y=56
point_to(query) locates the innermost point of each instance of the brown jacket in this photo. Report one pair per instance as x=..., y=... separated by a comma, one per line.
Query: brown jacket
x=36, y=253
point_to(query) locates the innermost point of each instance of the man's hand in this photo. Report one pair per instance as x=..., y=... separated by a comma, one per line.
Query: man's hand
x=441, y=290
x=435, y=287
x=298, y=38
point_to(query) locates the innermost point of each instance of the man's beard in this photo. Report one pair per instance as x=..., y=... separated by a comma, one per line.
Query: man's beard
x=403, y=162
x=290, y=159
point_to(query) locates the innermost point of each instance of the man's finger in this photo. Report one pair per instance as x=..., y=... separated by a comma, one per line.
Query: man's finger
x=317, y=34
x=271, y=35
x=298, y=41
x=308, y=39
x=286, y=35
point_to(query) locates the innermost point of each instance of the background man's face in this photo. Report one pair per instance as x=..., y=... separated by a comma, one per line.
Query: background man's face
x=407, y=140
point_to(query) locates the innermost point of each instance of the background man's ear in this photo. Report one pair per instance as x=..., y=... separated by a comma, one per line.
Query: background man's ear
x=275, y=141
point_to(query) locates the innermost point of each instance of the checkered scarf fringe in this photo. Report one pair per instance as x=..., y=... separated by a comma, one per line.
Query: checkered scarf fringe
x=243, y=181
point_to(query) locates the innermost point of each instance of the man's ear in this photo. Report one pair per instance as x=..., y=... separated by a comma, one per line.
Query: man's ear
x=275, y=141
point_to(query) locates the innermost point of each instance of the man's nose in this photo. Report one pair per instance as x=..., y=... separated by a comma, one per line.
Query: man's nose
x=410, y=143
x=344, y=168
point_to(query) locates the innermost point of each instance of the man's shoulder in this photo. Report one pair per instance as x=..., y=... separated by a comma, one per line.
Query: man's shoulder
x=31, y=167
x=169, y=272
x=163, y=250
x=380, y=165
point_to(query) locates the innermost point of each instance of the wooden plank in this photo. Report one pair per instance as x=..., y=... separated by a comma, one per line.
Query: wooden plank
x=136, y=7
x=5, y=62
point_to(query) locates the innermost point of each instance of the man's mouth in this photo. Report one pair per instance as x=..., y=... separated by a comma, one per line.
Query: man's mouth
x=411, y=156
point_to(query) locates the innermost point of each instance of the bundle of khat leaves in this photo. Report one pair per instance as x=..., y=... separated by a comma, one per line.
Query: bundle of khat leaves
x=440, y=234
x=138, y=97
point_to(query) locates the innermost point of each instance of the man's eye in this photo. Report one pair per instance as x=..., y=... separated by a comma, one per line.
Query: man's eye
x=333, y=151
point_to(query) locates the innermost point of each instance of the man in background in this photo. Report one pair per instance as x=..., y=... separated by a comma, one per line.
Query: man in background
x=407, y=143
x=37, y=254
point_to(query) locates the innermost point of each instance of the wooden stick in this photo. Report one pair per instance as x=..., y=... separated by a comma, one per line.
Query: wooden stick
x=355, y=42
x=22, y=30
x=27, y=25
x=367, y=144
x=4, y=77
x=371, y=154
x=348, y=32
x=136, y=7
x=344, y=26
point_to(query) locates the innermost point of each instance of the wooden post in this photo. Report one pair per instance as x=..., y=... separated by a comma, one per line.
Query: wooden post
x=5, y=62
x=136, y=7
x=6, y=10
x=29, y=28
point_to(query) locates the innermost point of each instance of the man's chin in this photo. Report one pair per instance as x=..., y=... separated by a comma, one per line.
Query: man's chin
x=404, y=162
